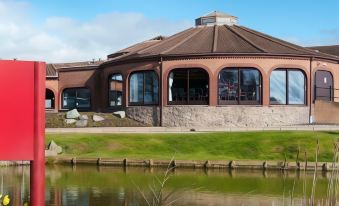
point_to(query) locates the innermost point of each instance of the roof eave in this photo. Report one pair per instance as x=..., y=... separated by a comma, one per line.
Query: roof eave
x=158, y=56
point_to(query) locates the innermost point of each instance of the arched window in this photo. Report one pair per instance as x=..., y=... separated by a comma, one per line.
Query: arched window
x=49, y=99
x=188, y=87
x=144, y=88
x=323, y=86
x=115, y=90
x=239, y=86
x=288, y=86
x=79, y=98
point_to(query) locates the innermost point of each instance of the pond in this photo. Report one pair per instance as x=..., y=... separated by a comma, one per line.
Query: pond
x=90, y=185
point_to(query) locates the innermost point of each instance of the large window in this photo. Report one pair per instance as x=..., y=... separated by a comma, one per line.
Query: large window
x=115, y=90
x=79, y=98
x=144, y=88
x=287, y=86
x=239, y=86
x=49, y=99
x=188, y=86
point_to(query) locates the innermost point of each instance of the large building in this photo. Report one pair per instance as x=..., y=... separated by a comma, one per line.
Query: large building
x=213, y=75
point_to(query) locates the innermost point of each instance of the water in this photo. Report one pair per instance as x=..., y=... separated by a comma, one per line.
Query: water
x=90, y=185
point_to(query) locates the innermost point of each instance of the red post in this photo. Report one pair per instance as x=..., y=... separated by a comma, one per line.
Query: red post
x=37, y=183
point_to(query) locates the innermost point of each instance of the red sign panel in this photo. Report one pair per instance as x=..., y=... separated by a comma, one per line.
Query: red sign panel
x=17, y=110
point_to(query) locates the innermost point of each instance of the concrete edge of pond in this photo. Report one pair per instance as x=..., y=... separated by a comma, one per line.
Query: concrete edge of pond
x=207, y=164
x=108, y=130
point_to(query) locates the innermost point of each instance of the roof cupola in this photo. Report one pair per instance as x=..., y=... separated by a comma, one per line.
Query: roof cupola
x=216, y=18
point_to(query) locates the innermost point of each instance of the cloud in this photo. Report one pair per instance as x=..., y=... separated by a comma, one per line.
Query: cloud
x=63, y=39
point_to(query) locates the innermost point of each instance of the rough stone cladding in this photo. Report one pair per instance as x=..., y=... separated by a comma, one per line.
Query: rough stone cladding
x=147, y=115
x=223, y=116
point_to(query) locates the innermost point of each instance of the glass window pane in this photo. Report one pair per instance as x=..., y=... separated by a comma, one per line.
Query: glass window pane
x=177, y=86
x=228, y=86
x=69, y=99
x=151, y=88
x=198, y=86
x=278, y=87
x=136, y=88
x=296, y=87
x=250, y=86
x=115, y=94
x=117, y=77
x=83, y=99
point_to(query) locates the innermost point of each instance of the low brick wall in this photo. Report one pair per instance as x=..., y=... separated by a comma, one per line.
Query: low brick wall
x=326, y=112
x=223, y=116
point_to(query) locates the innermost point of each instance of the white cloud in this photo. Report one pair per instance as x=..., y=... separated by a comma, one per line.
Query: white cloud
x=63, y=39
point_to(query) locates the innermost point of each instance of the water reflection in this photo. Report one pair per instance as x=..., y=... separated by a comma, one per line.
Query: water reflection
x=88, y=185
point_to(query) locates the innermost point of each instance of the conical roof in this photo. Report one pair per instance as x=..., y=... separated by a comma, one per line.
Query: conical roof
x=219, y=40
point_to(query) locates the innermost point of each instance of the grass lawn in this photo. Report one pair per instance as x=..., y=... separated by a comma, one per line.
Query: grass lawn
x=199, y=146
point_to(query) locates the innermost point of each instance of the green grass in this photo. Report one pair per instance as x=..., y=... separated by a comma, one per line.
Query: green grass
x=199, y=146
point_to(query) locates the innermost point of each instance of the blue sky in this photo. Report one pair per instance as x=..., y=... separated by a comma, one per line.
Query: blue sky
x=72, y=27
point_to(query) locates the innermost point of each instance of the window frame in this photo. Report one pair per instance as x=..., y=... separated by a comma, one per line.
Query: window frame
x=143, y=89
x=188, y=102
x=286, y=70
x=238, y=101
x=109, y=91
x=76, y=92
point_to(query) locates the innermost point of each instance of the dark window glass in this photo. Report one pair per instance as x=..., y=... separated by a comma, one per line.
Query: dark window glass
x=49, y=99
x=115, y=90
x=287, y=86
x=239, y=86
x=83, y=98
x=278, y=87
x=177, y=83
x=151, y=88
x=249, y=86
x=144, y=88
x=188, y=86
x=79, y=98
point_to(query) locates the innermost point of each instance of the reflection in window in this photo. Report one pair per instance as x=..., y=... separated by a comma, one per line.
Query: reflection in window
x=239, y=86
x=287, y=86
x=76, y=98
x=144, y=88
x=188, y=86
x=115, y=90
x=278, y=87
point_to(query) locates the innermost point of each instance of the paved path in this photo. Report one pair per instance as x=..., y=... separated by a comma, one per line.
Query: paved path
x=192, y=129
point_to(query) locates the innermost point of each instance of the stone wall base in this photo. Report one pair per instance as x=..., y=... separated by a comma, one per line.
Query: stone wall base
x=221, y=116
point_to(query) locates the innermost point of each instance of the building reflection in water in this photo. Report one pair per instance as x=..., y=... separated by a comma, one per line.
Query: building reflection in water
x=87, y=186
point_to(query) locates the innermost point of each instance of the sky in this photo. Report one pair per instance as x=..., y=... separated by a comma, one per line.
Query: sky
x=81, y=30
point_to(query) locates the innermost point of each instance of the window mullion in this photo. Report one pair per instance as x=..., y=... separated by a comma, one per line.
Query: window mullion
x=144, y=88
x=239, y=85
x=287, y=89
x=188, y=86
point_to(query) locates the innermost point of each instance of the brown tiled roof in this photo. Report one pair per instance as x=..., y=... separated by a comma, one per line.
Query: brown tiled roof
x=219, y=40
x=136, y=47
x=51, y=71
x=334, y=50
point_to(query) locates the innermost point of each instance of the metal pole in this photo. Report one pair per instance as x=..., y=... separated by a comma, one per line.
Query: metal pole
x=331, y=93
x=37, y=169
